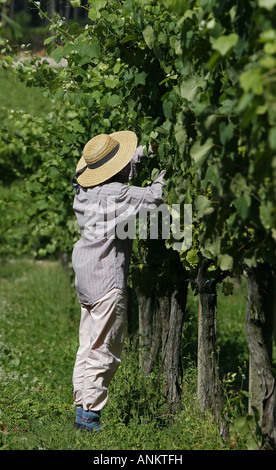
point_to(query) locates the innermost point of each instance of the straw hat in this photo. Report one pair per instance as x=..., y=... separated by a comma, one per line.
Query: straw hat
x=104, y=156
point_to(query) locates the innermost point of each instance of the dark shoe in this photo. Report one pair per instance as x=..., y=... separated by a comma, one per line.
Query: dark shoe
x=77, y=425
x=90, y=421
x=78, y=422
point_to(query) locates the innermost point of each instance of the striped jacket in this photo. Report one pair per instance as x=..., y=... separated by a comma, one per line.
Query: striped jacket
x=102, y=255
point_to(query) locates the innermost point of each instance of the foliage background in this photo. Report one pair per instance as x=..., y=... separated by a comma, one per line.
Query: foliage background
x=199, y=78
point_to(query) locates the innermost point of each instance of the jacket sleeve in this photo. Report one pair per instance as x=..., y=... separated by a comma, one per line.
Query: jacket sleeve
x=135, y=162
x=149, y=197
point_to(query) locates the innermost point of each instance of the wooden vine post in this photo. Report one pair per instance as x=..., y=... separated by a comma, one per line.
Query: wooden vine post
x=259, y=328
x=171, y=348
x=150, y=332
x=160, y=330
x=209, y=389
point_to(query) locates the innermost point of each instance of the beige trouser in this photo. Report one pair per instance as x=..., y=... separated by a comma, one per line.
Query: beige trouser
x=101, y=337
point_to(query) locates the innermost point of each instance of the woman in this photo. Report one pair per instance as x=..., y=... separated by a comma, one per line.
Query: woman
x=103, y=204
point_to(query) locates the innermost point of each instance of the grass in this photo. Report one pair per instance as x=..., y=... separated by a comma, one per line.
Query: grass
x=16, y=96
x=39, y=337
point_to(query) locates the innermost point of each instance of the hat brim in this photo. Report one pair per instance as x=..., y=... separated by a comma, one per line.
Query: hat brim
x=93, y=177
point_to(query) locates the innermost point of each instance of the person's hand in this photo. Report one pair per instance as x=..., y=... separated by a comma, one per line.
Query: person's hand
x=153, y=148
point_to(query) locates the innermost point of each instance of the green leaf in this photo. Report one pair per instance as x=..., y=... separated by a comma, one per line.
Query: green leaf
x=111, y=82
x=268, y=214
x=243, y=205
x=192, y=257
x=48, y=40
x=140, y=78
x=199, y=152
x=225, y=43
x=268, y=4
x=88, y=50
x=17, y=196
x=176, y=6
x=190, y=87
x=113, y=100
x=77, y=126
x=97, y=4
x=57, y=54
x=35, y=187
x=129, y=38
x=201, y=204
x=180, y=134
x=225, y=262
x=75, y=3
x=270, y=48
x=251, y=80
x=211, y=247
x=167, y=108
x=154, y=174
x=149, y=36
x=250, y=262
x=272, y=138
x=226, y=132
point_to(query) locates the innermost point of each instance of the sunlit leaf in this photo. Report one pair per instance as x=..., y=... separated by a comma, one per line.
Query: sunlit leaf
x=225, y=43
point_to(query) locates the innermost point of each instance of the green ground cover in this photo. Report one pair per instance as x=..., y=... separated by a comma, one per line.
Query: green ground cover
x=39, y=317
x=15, y=96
